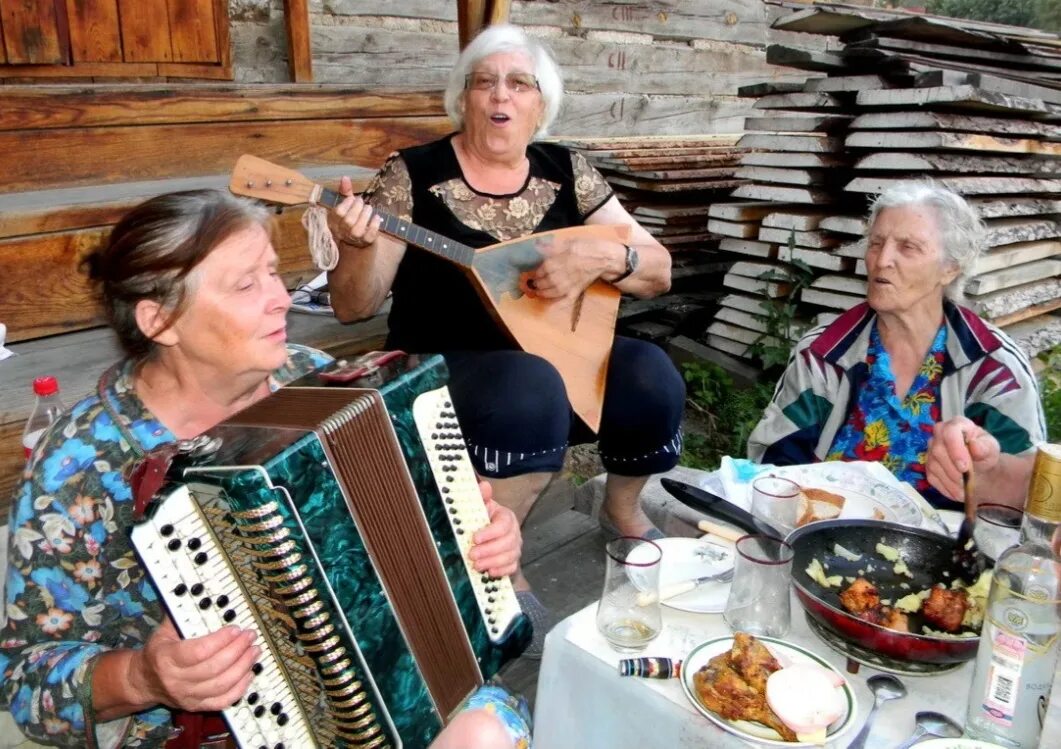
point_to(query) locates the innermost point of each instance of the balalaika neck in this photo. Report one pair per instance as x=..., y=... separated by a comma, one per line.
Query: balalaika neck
x=455, y=252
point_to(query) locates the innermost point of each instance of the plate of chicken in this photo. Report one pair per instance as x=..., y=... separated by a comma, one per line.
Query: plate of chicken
x=768, y=691
x=891, y=589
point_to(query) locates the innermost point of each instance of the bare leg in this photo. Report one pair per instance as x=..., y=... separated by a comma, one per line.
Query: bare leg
x=519, y=494
x=622, y=504
x=473, y=729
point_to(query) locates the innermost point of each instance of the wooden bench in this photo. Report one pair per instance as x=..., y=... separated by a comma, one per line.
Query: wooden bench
x=74, y=159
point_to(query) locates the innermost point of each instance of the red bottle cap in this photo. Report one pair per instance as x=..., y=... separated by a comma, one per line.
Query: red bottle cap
x=46, y=385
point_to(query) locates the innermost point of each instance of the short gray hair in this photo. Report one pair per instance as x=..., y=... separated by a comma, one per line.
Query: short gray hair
x=962, y=233
x=507, y=38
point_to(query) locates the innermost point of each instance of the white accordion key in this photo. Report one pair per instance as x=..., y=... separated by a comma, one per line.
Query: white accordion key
x=203, y=594
x=436, y=422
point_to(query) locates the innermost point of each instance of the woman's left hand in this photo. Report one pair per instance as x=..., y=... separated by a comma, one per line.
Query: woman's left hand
x=567, y=269
x=497, y=546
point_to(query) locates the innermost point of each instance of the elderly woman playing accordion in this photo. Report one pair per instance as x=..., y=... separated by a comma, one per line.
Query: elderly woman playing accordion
x=905, y=376
x=88, y=657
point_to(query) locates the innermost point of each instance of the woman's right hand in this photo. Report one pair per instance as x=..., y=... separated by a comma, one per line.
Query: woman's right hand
x=200, y=674
x=353, y=221
x=958, y=445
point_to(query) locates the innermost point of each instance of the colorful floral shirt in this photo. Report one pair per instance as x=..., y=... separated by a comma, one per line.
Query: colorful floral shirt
x=74, y=588
x=880, y=427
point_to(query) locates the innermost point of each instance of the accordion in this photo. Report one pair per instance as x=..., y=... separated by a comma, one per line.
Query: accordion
x=336, y=522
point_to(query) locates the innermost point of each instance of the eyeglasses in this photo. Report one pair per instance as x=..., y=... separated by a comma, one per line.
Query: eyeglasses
x=517, y=83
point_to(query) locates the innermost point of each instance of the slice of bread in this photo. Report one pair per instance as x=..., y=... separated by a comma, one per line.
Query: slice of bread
x=818, y=504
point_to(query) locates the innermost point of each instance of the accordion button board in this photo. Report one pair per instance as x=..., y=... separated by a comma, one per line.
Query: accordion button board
x=443, y=442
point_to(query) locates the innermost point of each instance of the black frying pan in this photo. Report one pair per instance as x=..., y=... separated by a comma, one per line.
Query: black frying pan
x=928, y=556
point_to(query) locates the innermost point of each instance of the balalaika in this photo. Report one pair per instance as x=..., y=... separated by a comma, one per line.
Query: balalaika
x=336, y=522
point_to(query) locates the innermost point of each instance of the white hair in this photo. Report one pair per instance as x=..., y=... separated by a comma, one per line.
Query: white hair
x=962, y=233
x=507, y=38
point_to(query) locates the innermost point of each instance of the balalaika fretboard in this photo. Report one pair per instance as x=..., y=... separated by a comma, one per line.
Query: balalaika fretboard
x=336, y=522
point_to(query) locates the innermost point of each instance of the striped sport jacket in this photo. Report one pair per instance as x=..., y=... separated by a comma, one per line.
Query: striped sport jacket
x=986, y=378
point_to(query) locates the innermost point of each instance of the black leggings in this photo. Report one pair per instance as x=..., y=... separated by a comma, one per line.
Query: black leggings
x=516, y=418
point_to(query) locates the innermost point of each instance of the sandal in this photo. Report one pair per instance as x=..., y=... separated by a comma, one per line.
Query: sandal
x=612, y=533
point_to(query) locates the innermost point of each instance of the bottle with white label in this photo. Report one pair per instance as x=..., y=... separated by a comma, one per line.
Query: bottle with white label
x=46, y=410
x=1022, y=624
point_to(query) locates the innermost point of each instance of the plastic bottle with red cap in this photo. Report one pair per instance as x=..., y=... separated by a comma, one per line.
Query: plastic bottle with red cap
x=46, y=410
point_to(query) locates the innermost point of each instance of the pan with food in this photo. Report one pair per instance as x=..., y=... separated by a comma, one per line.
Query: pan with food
x=886, y=587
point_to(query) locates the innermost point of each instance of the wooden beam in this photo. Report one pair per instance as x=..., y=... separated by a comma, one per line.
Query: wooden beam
x=33, y=33
x=95, y=35
x=299, y=46
x=498, y=11
x=471, y=14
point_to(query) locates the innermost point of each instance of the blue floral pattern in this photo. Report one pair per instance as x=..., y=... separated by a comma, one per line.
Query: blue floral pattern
x=74, y=588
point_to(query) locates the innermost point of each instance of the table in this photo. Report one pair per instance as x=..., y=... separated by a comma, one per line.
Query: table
x=582, y=701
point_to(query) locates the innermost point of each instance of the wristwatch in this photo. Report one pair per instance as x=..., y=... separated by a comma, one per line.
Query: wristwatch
x=632, y=261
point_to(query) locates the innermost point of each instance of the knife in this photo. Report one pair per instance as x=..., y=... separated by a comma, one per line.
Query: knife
x=676, y=589
x=712, y=504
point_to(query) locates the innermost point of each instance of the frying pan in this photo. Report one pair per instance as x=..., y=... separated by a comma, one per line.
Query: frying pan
x=928, y=555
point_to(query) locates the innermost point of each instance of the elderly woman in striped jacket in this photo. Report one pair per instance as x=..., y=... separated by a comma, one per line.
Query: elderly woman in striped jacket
x=907, y=377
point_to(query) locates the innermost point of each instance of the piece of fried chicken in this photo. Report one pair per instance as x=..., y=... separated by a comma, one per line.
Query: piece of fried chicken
x=733, y=684
x=945, y=609
x=860, y=596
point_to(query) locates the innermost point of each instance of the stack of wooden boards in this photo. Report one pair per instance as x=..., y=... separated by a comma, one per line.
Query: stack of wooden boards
x=975, y=106
x=668, y=184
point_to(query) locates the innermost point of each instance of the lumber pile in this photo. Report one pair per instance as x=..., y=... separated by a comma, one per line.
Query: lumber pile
x=668, y=184
x=975, y=106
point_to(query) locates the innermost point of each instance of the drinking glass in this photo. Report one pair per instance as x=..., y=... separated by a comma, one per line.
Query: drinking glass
x=776, y=501
x=758, y=600
x=628, y=618
x=997, y=527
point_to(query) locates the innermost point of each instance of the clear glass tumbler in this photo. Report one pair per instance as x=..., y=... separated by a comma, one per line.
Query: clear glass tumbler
x=997, y=527
x=628, y=614
x=776, y=502
x=759, y=599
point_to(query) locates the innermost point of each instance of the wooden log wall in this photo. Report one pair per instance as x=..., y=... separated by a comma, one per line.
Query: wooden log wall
x=630, y=68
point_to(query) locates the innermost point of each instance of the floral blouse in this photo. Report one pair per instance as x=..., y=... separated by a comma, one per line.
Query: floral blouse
x=880, y=428
x=74, y=588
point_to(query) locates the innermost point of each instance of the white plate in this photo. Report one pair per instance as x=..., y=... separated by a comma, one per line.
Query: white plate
x=864, y=497
x=757, y=733
x=957, y=744
x=687, y=559
x=953, y=520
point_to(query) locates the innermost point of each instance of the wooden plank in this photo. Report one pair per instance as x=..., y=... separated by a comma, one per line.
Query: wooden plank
x=671, y=174
x=831, y=299
x=843, y=284
x=733, y=229
x=1013, y=276
x=855, y=225
x=33, y=33
x=815, y=240
x=965, y=96
x=995, y=80
x=748, y=247
x=950, y=162
x=928, y=120
x=64, y=209
x=95, y=34
x=974, y=54
x=620, y=113
x=783, y=194
x=27, y=107
x=837, y=19
x=110, y=154
x=785, y=142
x=815, y=258
x=669, y=186
x=805, y=59
x=755, y=305
x=299, y=45
x=799, y=220
x=756, y=270
x=3, y=49
x=726, y=346
x=965, y=185
x=192, y=28
x=768, y=88
x=145, y=30
x=780, y=175
x=676, y=211
x=741, y=211
x=994, y=208
x=1009, y=301
x=683, y=160
x=1027, y=313
x=52, y=295
x=817, y=100
x=948, y=140
x=80, y=70
x=808, y=124
x=846, y=83
x=1014, y=254
x=793, y=159
x=1004, y=231
x=742, y=335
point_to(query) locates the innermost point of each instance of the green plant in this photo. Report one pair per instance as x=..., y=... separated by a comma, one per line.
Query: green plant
x=721, y=414
x=774, y=345
x=1050, y=387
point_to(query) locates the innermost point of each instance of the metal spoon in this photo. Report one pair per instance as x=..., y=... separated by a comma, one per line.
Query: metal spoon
x=884, y=688
x=930, y=723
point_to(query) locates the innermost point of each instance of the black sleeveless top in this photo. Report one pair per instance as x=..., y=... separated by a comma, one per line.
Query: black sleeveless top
x=435, y=306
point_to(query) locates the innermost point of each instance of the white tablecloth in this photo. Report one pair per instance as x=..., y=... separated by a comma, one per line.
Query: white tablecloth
x=583, y=703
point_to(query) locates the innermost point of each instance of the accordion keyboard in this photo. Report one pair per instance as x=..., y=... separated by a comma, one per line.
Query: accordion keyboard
x=443, y=442
x=204, y=594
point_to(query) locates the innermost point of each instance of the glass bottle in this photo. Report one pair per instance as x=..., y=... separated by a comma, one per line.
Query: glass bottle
x=1022, y=623
x=48, y=408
